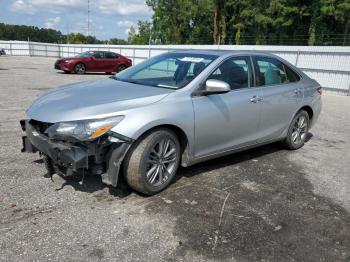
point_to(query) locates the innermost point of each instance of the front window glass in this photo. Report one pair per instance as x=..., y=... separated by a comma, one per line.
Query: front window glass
x=171, y=70
x=85, y=54
x=237, y=72
x=99, y=55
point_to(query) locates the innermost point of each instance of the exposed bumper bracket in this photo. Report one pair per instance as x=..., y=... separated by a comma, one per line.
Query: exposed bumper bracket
x=75, y=158
x=113, y=165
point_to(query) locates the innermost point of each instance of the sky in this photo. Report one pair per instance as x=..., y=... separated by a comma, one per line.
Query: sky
x=108, y=18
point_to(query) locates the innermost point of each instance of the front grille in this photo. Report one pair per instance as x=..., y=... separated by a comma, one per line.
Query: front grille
x=40, y=127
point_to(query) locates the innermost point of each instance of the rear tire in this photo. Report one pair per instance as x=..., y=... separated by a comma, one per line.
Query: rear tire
x=152, y=162
x=120, y=68
x=297, y=131
x=79, y=69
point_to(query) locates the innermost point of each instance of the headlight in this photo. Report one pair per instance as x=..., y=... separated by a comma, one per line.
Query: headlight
x=84, y=129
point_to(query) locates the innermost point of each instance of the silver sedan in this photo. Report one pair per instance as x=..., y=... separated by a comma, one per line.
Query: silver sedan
x=178, y=108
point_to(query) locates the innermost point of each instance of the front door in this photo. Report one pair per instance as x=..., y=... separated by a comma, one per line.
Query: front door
x=102, y=63
x=230, y=120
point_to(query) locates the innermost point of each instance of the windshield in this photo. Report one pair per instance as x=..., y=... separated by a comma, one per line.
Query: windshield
x=171, y=70
x=85, y=54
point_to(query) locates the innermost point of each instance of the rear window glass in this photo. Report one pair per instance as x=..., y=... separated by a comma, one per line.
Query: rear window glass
x=111, y=55
x=291, y=75
x=273, y=72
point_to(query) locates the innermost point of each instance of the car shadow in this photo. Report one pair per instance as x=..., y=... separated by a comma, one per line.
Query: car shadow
x=91, y=184
x=233, y=159
x=308, y=137
x=229, y=160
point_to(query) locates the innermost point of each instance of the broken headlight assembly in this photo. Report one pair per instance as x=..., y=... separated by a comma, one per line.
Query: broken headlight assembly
x=83, y=130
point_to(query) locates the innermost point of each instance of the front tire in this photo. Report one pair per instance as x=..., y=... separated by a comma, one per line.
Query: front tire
x=297, y=131
x=79, y=69
x=152, y=162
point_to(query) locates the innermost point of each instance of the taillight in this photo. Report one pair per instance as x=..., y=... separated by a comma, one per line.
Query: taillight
x=319, y=89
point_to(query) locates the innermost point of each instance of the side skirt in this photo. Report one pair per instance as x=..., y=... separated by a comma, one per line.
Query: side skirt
x=194, y=161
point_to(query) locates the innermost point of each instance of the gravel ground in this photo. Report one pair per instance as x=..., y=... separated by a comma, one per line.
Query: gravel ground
x=266, y=204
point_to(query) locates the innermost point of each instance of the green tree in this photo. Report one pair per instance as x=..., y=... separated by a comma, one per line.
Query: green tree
x=23, y=33
x=181, y=21
x=116, y=41
x=142, y=35
x=35, y=34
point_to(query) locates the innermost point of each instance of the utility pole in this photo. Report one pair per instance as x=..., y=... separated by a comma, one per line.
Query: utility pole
x=67, y=33
x=88, y=20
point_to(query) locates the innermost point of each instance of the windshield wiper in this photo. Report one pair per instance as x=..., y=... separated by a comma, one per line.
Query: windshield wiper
x=123, y=80
x=138, y=83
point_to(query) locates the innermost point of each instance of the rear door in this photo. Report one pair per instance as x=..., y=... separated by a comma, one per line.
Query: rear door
x=112, y=61
x=282, y=95
x=230, y=120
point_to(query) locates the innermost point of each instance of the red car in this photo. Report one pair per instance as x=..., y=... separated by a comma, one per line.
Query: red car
x=93, y=61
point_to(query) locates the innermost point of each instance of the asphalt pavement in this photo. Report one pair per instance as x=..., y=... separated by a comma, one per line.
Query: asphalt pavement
x=265, y=204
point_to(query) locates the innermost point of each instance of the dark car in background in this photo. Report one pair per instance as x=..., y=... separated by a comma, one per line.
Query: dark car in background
x=2, y=51
x=93, y=61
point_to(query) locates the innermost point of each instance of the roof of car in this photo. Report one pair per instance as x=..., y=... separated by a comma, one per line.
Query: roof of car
x=224, y=52
x=102, y=51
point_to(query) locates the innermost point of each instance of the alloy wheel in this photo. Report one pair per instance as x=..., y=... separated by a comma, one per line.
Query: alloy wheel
x=80, y=69
x=161, y=162
x=300, y=129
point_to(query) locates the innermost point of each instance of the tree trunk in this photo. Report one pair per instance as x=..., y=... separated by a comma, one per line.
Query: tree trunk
x=312, y=34
x=238, y=36
x=215, y=31
x=223, y=29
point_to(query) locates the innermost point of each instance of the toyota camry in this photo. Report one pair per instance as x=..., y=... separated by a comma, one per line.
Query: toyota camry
x=178, y=108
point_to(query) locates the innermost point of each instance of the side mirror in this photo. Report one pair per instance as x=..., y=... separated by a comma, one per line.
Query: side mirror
x=213, y=86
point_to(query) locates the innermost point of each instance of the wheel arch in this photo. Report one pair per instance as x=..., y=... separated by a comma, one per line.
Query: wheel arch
x=308, y=110
x=180, y=133
x=80, y=62
x=121, y=64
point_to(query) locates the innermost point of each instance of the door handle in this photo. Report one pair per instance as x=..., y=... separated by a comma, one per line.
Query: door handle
x=297, y=91
x=256, y=99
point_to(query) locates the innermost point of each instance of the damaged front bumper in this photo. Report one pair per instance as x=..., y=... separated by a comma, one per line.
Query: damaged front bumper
x=102, y=156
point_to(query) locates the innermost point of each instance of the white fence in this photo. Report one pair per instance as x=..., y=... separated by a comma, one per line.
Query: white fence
x=329, y=65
